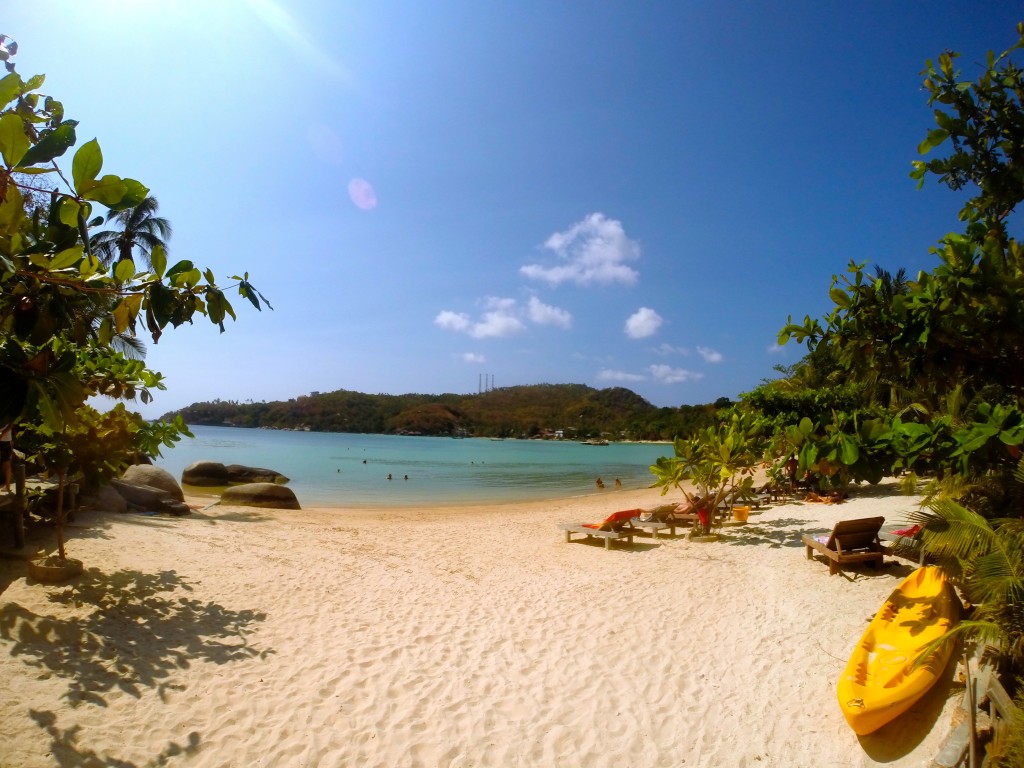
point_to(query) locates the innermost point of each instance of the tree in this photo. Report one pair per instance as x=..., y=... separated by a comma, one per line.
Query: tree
x=141, y=229
x=62, y=312
x=956, y=332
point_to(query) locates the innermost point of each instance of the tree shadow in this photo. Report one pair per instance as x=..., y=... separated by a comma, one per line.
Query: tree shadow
x=784, y=532
x=67, y=753
x=236, y=515
x=139, y=631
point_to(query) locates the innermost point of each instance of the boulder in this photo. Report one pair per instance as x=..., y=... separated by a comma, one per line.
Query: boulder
x=269, y=495
x=106, y=499
x=237, y=473
x=205, y=473
x=147, y=474
x=149, y=499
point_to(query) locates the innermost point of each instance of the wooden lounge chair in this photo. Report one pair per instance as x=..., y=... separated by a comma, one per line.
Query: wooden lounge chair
x=667, y=518
x=851, y=541
x=615, y=527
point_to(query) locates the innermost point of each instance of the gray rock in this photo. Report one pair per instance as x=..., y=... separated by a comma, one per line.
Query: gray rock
x=268, y=495
x=205, y=473
x=237, y=473
x=150, y=499
x=106, y=499
x=147, y=474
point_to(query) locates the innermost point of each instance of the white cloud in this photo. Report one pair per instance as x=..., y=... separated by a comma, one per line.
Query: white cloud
x=542, y=314
x=498, y=320
x=609, y=375
x=503, y=317
x=453, y=321
x=666, y=374
x=775, y=349
x=492, y=324
x=710, y=355
x=472, y=357
x=643, y=323
x=591, y=251
x=667, y=350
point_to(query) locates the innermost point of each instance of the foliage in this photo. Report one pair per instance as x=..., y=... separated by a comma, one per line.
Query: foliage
x=936, y=359
x=527, y=411
x=66, y=320
x=988, y=559
x=718, y=461
x=1009, y=753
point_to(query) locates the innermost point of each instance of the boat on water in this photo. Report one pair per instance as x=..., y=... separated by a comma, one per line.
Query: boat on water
x=595, y=442
x=880, y=682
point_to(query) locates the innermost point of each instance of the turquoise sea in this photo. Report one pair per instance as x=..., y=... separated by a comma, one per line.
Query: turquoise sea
x=332, y=469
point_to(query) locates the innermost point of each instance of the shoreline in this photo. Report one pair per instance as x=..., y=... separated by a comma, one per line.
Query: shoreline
x=442, y=636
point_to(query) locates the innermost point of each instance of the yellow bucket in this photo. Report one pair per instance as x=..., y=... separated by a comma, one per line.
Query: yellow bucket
x=740, y=514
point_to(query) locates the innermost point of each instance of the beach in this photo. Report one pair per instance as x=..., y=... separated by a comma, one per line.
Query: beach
x=469, y=636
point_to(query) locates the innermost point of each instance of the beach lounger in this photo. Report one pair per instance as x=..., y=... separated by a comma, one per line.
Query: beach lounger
x=615, y=527
x=667, y=518
x=851, y=541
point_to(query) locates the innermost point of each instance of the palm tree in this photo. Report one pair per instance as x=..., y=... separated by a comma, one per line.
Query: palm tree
x=140, y=229
x=986, y=556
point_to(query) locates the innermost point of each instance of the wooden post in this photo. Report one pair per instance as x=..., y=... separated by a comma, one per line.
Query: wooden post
x=19, y=506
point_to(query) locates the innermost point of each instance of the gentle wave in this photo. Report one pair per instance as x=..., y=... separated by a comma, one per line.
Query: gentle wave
x=335, y=469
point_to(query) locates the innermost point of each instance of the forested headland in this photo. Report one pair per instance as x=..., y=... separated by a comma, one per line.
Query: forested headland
x=575, y=410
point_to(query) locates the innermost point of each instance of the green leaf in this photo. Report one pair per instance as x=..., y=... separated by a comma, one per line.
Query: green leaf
x=124, y=270
x=163, y=301
x=69, y=208
x=135, y=193
x=849, y=451
x=159, y=258
x=66, y=258
x=89, y=267
x=10, y=87
x=934, y=138
x=106, y=331
x=11, y=209
x=110, y=190
x=13, y=141
x=182, y=266
x=840, y=297
x=189, y=278
x=51, y=144
x=87, y=164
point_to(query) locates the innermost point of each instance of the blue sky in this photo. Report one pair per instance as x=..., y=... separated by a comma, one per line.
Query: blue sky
x=606, y=193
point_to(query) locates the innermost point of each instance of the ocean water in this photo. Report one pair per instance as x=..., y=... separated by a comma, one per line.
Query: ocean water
x=332, y=469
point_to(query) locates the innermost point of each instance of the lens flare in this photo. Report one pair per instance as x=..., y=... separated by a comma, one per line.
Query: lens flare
x=362, y=194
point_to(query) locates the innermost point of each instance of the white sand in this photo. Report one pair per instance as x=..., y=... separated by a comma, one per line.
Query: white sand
x=459, y=637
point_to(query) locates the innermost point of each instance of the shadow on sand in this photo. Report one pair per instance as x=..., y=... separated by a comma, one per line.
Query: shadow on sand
x=68, y=753
x=136, y=635
x=136, y=631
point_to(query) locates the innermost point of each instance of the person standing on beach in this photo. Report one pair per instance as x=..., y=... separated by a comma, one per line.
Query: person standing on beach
x=7, y=453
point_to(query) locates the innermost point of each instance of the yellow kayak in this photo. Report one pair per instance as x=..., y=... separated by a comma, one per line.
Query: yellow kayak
x=878, y=685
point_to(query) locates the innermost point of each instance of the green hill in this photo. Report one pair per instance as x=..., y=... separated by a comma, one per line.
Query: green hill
x=575, y=410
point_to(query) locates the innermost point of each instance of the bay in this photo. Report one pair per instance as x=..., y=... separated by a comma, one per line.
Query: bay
x=336, y=469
